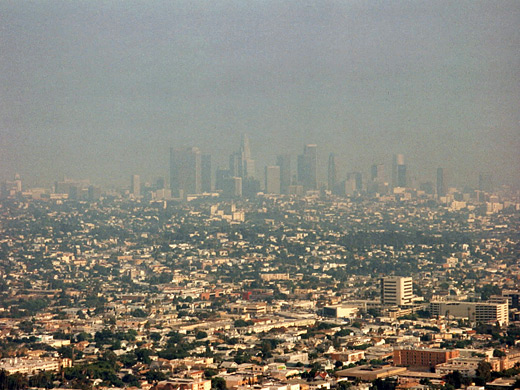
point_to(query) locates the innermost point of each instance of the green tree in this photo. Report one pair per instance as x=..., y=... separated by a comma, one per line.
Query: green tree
x=218, y=383
x=484, y=372
x=201, y=335
x=498, y=353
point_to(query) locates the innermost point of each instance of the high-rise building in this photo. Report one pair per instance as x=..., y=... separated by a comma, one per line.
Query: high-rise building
x=232, y=187
x=284, y=162
x=378, y=179
x=396, y=290
x=272, y=179
x=236, y=165
x=441, y=189
x=206, y=177
x=74, y=188
x=135, y=186
x=378, y=173
x=307, y=168
x=331, y=173
x=398, y=171
x=185, y=172
x=401, y=176
x=352, y=185
x=242, y=165
x=248, y=164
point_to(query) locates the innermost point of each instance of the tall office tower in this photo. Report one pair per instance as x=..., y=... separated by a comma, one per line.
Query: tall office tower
x=185, y=172
x=359, y=181
x=378, y=173
x=396, y=290
x=378, y=182
x=220, y=175
x=236, y=164
x=284, y=162
x=231, y=187
x=398, y=171
x=441, y=189
x=331, y=173
x=248, y=164
x=272, y=179
x=135, y=186
x=205, y=176
x=307, y=168
x=354, y=183
x=401, y=176
x=242, y=165
x=485, y=182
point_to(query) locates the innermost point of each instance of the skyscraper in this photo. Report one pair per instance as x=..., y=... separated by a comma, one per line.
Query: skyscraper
x=401, y=176
x=307, y=168
x=441, y=190
x=353, y=184
x=272, y=179
x=248, y=164
x=398, y=171
x=331, y=173
x=378, y=179
x=206, y=176
x=378, y=173
x=135, y=186
x=185, y=172
x=284, y=162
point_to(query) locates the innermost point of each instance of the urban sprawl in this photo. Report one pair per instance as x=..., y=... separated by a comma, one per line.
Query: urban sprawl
x=218, y=282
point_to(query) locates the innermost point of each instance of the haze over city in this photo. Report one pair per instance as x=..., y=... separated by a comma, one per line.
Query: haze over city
x=260, y=195
x=102, y=90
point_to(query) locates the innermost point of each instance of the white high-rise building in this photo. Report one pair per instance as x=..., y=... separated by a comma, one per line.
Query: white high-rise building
x=396, y=290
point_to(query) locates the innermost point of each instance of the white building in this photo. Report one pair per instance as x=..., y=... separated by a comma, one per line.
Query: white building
x=485, y=312
x=396, y=290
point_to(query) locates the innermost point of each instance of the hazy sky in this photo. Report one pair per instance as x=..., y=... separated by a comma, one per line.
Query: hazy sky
x=102, y=89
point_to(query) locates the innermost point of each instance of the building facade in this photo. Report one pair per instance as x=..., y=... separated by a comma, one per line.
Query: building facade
x=396, y=290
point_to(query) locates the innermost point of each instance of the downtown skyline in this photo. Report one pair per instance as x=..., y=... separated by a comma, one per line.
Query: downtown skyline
x=103, y=90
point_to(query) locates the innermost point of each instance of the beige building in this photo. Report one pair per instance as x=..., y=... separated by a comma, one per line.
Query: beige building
x=396, y=290
x=485, y=312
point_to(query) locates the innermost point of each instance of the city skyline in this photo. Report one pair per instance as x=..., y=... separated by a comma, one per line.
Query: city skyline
x=389, y=174
x=86, y=97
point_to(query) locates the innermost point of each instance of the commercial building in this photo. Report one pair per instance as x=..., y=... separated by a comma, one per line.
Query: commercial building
x=424, y=358
x=485, y=312
x=396, y=290
x=206, y=174
x=341, y=311
x=307, y=168
x=185, y=172
x=466, y=366
x=284, y=162
x=272, y=180
x=331, y=173
x=441, y=189
x=398, y=171
x=135, y=186
x=369, y=373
